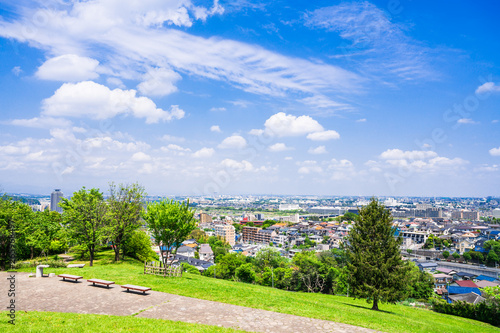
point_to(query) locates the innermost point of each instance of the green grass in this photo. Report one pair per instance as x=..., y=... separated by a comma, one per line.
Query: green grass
x=392, y=318
x=76, y=322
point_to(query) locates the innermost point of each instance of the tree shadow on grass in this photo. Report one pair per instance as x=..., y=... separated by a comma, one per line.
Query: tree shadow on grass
x=369, y=309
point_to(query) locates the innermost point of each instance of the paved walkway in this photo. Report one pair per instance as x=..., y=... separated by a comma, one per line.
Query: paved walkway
x=53, y=294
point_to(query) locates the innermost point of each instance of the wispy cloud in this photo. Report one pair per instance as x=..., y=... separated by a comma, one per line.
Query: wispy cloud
x=128, y=38
x=373, y=40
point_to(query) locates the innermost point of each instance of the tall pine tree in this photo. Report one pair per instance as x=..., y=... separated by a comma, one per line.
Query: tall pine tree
x=377, y=271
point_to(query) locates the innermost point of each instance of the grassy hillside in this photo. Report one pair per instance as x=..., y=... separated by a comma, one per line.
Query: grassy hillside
x=392, y=318
x=77, y=322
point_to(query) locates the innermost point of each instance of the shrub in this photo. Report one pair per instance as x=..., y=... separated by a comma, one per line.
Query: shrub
x=190, y=268
x=139, y=246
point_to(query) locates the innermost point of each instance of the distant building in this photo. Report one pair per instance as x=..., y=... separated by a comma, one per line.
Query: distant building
x=225, y=231
x=55, y=198
x=205, y=218
x=289, y=207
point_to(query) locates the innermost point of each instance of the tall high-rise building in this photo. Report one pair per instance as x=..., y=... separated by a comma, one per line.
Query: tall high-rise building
x=55, y=198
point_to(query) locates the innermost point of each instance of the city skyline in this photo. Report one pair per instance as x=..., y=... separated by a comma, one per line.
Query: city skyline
x=383, y=98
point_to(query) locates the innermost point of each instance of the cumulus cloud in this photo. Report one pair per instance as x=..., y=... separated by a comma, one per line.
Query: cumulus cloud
x=204, y=153
x=396, y=154
x=159, y=82
x=172, y=138
x=140, y=157
x=256, y=132
x=495, y=151
x=341, y=170
x=418, y=160
x=215, y=128
x=281, y=124
x=488, y=87
x=324, y=135
x=362, y=120
x=308, y=167
x=277, y=147
x=233, y=142
x=68, y=68
x=237, y=166
x=90, y=99
x=318, y=150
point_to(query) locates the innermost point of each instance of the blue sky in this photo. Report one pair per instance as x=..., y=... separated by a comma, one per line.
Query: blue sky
x=251, y=97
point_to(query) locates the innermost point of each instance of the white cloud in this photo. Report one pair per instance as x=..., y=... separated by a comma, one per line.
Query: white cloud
x=215, y=128
x=308, y=167
x=323, y=135
x=256, y=132
x=172, y=138
x=68, y=67
x=418, y=160
x=362, y=120
x=341, y=170
x=323, y=102
x=237, y=166
x=495, y=151
x=204, y=153
x=396, y=154
x=17, y=70
x=178, y=148
x=214, y=109
x=281, y=124
x=467, y=121
x=233, y=142
x=41, y=122
x=277, y=147
x=90, y=99
x=377, y=44
x=288, y=158
x=488, y=87
x=159, y=82
x=317, y=151
x=128, y=37
x=140, y=157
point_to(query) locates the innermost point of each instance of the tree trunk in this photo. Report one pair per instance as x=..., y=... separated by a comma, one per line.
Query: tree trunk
x=31, y=253
x=375, y=304
x=91, y=257
x=117, y=252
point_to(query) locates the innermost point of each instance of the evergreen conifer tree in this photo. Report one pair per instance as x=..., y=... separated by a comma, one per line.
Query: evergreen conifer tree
x=377, y=271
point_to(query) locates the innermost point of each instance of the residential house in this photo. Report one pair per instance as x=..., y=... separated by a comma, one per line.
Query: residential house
x=206, y=253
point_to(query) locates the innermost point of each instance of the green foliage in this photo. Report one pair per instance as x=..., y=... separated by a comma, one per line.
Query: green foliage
x=226, y=266
x=237, y=227
x=350, y=217
x=421, y=283
x=455, y=255
x=377, y=271
x=467, y=256
x=269, y=257
x=487, y=312
x=170, y=222
x=446, y=254
x=268, y=223
x=245, y=273
x=219, y=246
x=190, y=268
x=139, y=246
x=125, y=204
x=199, y=236
x=85, y=216
x=13, y=246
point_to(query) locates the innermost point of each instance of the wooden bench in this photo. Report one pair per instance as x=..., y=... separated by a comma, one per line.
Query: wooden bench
x=138, y=288
x=103, y=282
x=70, y=277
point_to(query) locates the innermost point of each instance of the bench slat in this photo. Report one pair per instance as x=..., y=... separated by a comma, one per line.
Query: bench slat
x=69, y=276
x=99, y=281
x=139, y=288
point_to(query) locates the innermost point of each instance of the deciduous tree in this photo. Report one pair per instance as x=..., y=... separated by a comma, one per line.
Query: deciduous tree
x=170, y=222
x=85, y=216
x=125, y=204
